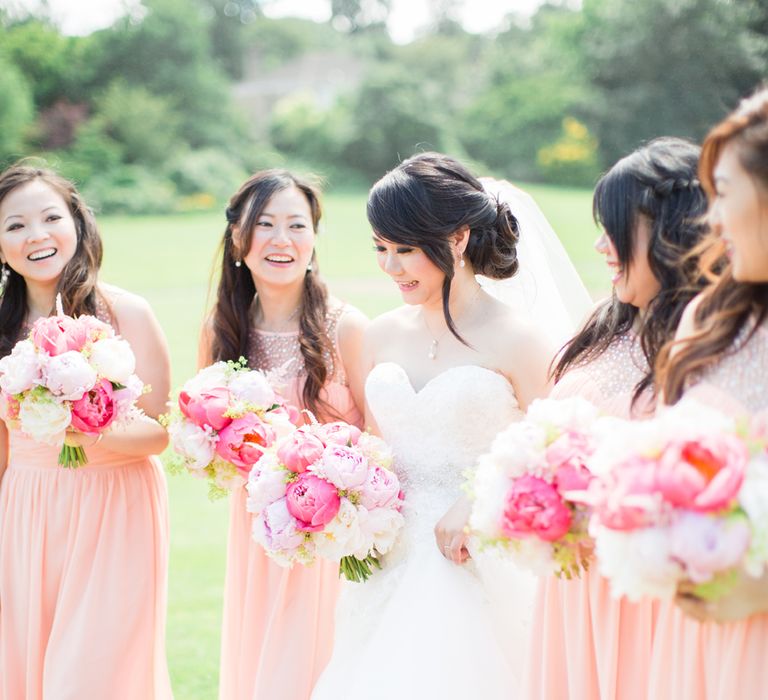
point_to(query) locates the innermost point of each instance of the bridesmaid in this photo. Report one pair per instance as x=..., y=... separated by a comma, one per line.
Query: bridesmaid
x=273, y=308
x=722, y=360
x=83, y=552
x=649, y=205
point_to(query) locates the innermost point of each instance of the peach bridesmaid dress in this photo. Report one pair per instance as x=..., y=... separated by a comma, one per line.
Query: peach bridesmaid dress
x=277, y=632
x=711, y=661
x=586, y=645
x=83, y=570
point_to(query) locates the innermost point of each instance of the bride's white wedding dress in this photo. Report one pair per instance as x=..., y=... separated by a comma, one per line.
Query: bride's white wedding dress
x=423, y=627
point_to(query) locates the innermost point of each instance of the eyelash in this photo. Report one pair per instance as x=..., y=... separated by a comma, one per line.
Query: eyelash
x=17, y=226
x=399, y=251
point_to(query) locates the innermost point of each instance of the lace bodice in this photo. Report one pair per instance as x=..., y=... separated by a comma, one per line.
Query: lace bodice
x=740, y=378
x=437, y=433
x=280, y=351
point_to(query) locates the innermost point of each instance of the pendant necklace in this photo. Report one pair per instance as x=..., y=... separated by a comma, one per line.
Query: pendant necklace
x=432, y=354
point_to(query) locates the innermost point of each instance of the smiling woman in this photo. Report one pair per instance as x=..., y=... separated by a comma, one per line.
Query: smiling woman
x=274, y=309
x=101, y=528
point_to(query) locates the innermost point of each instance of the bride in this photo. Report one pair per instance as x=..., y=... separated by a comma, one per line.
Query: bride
x=446, y=372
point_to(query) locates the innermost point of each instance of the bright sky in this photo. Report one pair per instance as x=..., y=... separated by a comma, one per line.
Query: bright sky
x=406, y=18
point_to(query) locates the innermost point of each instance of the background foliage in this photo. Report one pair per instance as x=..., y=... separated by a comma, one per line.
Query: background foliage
x=145, y=114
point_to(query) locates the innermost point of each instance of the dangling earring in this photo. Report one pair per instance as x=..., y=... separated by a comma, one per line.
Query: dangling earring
x=4, y=275
x=238, y=263
x=461, y=260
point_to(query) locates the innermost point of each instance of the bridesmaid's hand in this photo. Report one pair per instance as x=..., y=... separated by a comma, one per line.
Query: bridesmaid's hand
x=74, y=438
x=451, y=532
x=748, y=597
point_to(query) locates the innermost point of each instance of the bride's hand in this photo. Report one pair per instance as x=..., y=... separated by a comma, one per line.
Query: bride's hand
x=451, y=534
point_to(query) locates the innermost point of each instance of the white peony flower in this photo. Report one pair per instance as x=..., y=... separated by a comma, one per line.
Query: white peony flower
x=211, y=377
x=563, y=414
x=113, y=359
x=343, y=535
x=44, y=419
x=519, y=448
x=381, y=526
x=69, y=376
x=266, y=483
x=22, y=369
x=638, y=564
x=195, y=444
x=253, y=388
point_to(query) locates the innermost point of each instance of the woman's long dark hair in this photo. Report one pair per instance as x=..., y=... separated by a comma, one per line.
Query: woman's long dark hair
x=78, y=282
x=658, y=181
x=426, y=200
x=232, y=316
x=727, y=305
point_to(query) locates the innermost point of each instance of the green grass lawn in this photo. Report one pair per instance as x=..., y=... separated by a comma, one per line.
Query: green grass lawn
x=169, y=260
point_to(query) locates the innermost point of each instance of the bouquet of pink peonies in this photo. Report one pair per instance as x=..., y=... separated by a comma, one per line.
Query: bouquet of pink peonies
x=226, y=418
x=681, y=497
x=326, y=491
x=69, y=374
x=521, y=489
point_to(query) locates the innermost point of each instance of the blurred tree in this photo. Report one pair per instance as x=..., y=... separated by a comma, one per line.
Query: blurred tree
x=354, y=15
x=144, y=125
x=169, y=54
x=525, y=85
x=227, y=31
x=55, y=66
x=666, y=68
x=393, y=115
x=16, y=111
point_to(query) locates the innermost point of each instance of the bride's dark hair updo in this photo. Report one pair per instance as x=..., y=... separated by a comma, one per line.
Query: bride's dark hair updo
x=429, y=198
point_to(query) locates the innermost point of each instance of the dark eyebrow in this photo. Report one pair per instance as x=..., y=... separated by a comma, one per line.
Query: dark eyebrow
x=290, y=216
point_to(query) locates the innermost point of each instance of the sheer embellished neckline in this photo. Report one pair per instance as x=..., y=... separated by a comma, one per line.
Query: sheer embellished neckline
x=285, y=334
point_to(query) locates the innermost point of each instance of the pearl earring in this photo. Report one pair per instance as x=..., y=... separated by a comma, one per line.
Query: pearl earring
x=4, y=275
x=238, y=263
x=461, y=260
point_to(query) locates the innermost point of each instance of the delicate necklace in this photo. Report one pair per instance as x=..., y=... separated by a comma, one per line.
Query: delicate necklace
x=432, y=354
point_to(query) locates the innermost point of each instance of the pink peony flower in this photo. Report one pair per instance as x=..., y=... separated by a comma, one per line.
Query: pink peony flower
x=339, y=433
x=380, y=490
x=571, y=448
x=58, y=334
x=705, y=545
x=628, y=497
x=206, y=408
x=243, y=441
x=534, y=507
x=300, y=449
x=704, y=474
x=313, y=501
x=344, y=466
x=95, y=411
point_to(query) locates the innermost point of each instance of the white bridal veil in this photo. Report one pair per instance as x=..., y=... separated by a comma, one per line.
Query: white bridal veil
x=547, y=287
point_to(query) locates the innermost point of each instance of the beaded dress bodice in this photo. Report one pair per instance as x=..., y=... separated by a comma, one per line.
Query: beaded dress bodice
x=738, y=382
x=279, y=355
x=610, y=379
x=280, y=352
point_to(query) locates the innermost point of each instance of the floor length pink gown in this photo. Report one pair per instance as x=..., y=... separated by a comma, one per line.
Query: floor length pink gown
x=585, y=644
x=711, y=661
x=83, y=576
x=277, y=633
